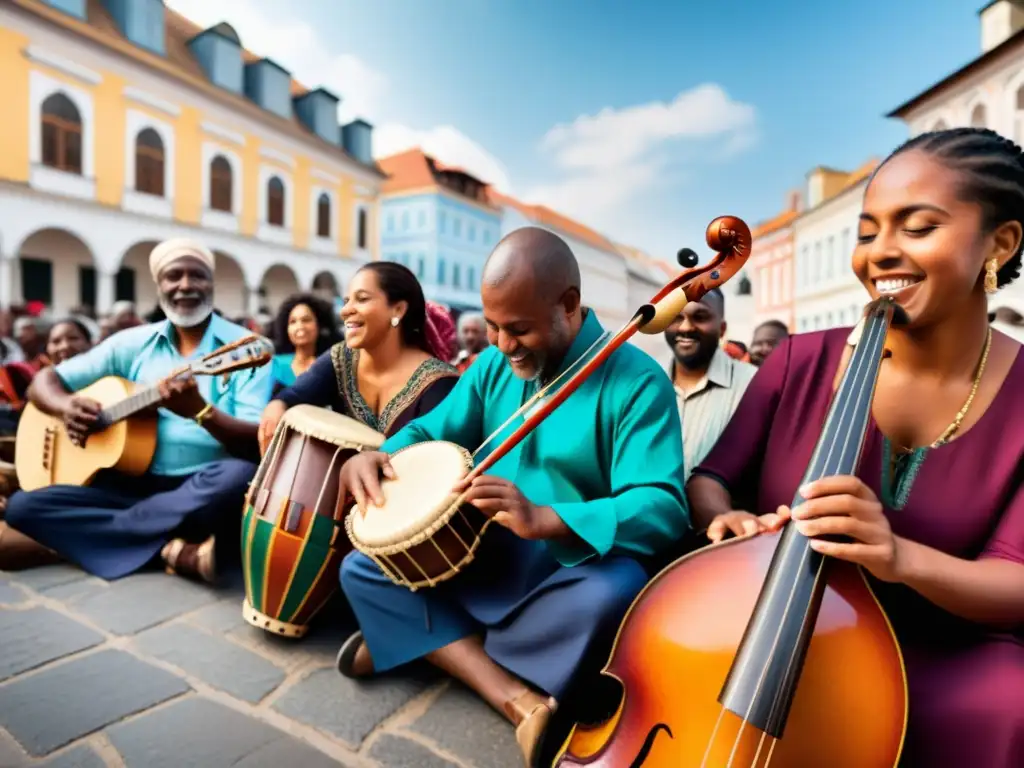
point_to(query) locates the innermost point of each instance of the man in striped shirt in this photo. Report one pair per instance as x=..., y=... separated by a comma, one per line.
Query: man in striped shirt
x=708, y=382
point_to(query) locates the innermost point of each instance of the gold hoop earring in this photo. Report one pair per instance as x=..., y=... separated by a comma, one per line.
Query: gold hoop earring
x=991, y=276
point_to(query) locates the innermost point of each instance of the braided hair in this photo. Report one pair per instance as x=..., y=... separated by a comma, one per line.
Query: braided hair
x=991, y=167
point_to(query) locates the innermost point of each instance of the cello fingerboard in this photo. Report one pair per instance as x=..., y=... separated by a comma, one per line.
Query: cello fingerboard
x=763, y=679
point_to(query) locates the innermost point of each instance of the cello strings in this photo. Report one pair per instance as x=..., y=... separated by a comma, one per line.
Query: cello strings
x=859, y=387
x=711, y=741
x=760, y=746
x=546, y=388
x=863, y=368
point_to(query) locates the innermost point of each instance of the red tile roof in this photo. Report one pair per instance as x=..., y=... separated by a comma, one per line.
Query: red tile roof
x=544, y=216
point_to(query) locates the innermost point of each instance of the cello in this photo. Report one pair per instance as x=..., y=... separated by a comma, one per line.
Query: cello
x=758, y=651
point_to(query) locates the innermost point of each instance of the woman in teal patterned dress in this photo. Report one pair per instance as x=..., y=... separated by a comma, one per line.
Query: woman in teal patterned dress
x=392, y=366
x=304, y=329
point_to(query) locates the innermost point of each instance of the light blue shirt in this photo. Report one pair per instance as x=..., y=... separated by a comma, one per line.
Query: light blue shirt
x=147, y=354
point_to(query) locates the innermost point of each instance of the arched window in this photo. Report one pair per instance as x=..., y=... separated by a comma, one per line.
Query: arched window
x=323, y=216
x=744, y=288
x=939, y=126
x=361, y=228
x=275, y=202
x=149, y=163
x=62, y=134
x=221, y=184
x=978, y=116
x=456, y=276
x=440, y=272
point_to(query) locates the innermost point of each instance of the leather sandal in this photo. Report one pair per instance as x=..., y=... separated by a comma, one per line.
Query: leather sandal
x=348, y=659
x=193, y=561
x=19, y=552
x=531, y=721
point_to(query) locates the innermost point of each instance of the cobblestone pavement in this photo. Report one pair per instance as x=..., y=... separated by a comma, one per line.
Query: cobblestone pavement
x=152, y=671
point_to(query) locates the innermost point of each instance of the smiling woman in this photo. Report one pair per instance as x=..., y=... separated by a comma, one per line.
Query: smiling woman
x=387, y=371
x=936, y=513
x=303, y=330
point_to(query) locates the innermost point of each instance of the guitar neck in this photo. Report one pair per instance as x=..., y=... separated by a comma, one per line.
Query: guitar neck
x=130, y=406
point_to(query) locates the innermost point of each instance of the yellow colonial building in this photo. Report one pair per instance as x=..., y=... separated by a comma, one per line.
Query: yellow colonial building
x=125, y=124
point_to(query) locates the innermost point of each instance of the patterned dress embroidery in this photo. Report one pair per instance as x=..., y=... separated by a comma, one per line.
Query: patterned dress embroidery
x=346, y=363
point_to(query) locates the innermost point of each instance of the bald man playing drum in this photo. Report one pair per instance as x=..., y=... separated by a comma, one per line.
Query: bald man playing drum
x=582, y=504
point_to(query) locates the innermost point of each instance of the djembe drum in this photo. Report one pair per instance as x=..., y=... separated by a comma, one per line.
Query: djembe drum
x=291, y=540
x=423, y=534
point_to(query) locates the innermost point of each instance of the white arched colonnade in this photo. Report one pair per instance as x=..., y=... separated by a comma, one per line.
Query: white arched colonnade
x=86, y=243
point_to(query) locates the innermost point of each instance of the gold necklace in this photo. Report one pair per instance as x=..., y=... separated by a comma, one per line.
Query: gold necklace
x=954, y=426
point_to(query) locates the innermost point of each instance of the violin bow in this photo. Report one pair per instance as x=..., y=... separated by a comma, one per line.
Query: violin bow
x=728, y=236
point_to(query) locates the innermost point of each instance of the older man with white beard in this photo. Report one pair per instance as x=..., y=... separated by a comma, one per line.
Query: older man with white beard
x=193, y=492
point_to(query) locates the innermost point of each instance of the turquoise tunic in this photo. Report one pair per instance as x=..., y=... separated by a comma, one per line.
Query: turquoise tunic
x=609, y=461
x=282, y=370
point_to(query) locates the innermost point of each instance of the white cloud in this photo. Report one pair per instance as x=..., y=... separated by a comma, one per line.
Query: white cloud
x=447, y=144
x=609, y=164
x=297, y=47
x=613, y=138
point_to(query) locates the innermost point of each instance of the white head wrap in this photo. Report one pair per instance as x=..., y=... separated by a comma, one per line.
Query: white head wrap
x=177, y=248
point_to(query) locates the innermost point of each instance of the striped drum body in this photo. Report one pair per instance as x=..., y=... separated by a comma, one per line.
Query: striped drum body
x=292, y=537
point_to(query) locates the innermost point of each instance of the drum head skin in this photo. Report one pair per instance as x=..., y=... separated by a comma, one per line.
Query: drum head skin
x=331, y=427
x=418, y=499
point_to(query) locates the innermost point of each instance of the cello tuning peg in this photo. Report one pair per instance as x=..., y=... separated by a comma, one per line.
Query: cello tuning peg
x=687, y=258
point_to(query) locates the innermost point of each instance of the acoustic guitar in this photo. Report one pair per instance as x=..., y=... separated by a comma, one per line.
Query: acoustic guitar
x=124, y=437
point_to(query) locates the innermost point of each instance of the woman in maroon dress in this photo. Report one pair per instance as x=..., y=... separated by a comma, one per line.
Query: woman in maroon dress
x=936, y=514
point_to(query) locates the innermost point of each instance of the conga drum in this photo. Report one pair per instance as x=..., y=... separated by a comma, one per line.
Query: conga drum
x=424, y=533
x=292, y=544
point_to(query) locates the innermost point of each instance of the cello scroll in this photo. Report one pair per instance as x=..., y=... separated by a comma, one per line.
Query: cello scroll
x=730, y=237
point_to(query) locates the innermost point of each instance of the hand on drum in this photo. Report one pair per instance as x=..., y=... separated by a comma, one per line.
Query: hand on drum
x=360, y=477
x=504, y=503
x=844, y=507
x=268, y=423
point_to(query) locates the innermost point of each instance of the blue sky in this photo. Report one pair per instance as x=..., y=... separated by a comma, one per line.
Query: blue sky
x=642, y=119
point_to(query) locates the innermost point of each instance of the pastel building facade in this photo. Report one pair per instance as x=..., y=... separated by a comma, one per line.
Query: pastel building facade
x=827, y=293
x=441, y=222
x=986, y=92
x=771, y=263
x=126, y=124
